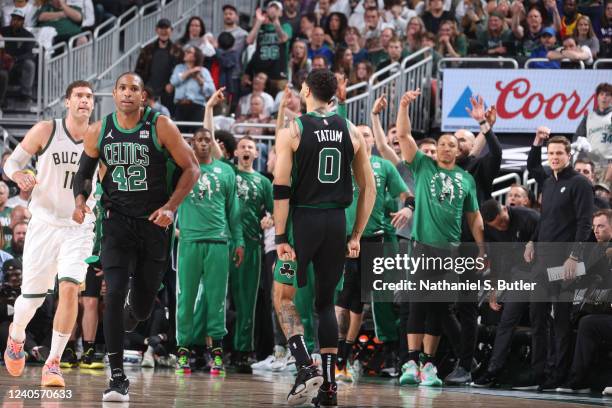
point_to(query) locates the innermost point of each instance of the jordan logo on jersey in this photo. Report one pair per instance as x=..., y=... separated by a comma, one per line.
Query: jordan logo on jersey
x=109, y=135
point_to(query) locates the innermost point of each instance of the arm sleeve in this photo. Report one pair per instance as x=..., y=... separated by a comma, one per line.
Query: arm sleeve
x=492, y=161
x=17, y=161
x=583, y=207
x=83, y=179
x=534, y=165
x=175, y=79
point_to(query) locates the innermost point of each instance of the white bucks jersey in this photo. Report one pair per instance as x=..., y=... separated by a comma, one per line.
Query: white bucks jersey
x=52, y=198
x=599, y=134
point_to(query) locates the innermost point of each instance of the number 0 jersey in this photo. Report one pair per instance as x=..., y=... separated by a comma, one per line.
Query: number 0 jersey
x=52, y=198
x=321, y=174
x=135, y=182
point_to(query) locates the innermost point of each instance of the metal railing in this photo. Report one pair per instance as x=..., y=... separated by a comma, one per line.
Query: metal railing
x=532, y=60
x=81, y=57
x=602, y=62
x=390, y=86
x=500, y=195
x=357, y=105
x=482, y=62
x=418, y=70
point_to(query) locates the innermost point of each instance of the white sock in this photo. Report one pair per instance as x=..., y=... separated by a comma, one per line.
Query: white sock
x=58, y=344
x=25, y=309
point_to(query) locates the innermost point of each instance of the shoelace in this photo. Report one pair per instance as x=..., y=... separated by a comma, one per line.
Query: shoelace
x=218, y=361
x=54, y=369
x=16, y=348
x=182, y=360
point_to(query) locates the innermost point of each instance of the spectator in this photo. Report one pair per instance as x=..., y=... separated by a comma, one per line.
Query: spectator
x=193, y=85
x=471, y=15
x=602, y=191
x=230, y=25
x=605, y=32
x=343, y=62
x=271, y=54
x=291, y=15
x=335, y=30
x=29, y=11
x=155, y=105
x=319, y=62
x=22, y=199
x=451, y=43
x=299, y=63
x=318, y=46
x=595, y=127
x=259, y=86
x=434, y=16
x=374, y=25
x=377, y=47
x=586, y=167
x=394, y=53
x=572, y=52
x=548, y=42
x=4, y=256
x=527, y=35
x=256, y=114
x=229, y=67
x=322, y=11
x=414, y=34
x=24, y=65
x=157, y=61
x=17, y=240
x=569, y=19
x=362, y=73
x=195, y=34
x=64, y=18
x=585, y=36
x=397, y=15
x=293, y=106
x=6, y=62
x=352, y=38
x=519, y=196
x=307, y=23
x=357, y=19
x=5, y=210
x=497, y=39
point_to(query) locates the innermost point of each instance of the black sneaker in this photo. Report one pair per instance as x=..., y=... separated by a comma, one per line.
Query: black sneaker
x=89, y=360
x=307, y=380
x=550, y=385
x=118, y=390
x=69, y=358
x=243, y=366
x=459, y=376
x=485, y=381
x=327, y=396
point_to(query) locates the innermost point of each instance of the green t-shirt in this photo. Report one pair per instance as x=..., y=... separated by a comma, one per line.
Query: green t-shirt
x=65, y=27
x=255, y=194
x=441, y=198
x=5, y=216
x=388, y=181
x=391, y=206
x=212, y=207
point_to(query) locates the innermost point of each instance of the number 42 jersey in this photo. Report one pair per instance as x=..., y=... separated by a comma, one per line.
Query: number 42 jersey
x=52, y=198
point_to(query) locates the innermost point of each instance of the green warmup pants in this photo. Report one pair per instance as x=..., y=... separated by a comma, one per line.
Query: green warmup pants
x=203, y=269
x=386, y=321
x=244, y=284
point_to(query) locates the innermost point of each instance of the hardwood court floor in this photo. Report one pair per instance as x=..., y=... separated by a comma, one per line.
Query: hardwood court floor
x=163, y=388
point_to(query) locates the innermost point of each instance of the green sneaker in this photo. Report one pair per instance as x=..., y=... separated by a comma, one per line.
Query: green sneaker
x=217, y=368
x=429, y=376
x=182, y=364
x=410, y=374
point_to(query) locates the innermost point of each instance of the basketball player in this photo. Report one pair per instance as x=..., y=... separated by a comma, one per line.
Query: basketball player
x=320, y=190
x=134, y=146
x=55, y=245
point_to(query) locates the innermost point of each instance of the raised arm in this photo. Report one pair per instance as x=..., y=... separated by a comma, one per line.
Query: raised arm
x=172, y=140
x=404, y=130
x=364, y=177
x=379, y=134
x=259, y=20
x=216, y=98
x=33, y=142
x=534, y=158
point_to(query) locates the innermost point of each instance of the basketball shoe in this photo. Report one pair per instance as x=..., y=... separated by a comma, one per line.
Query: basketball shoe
x=52, y=375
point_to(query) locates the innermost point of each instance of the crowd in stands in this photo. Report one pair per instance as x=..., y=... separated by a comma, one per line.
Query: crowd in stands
x=260, y=70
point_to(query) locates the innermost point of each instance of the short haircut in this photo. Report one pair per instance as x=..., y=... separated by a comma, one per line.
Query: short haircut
x=77, y=84
x=129, y=73
x=249, y=138
x=228, y=140
x=605, y=212
x=561, y=140
x=202, y=130
x=490, y=209
x=321, y=58
x=586, y=161
x=322, y=83
x=603, y=87
x=427, y=140
x=149, y=91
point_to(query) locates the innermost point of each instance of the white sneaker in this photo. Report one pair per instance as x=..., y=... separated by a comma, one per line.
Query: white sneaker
x=316, y=359
x=281, y=358
x=263, y=364
x=607, y=391
x=148, y=359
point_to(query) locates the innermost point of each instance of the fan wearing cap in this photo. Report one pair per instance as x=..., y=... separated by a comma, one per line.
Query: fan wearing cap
x=497, y=39
x=272, y=37
x=548, y=42
x=64, y=18
x=21, y=52
x=157, y=60
x=27, y=7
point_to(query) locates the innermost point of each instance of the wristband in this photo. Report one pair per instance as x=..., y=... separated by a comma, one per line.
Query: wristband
x=482, y=122
x=281, y=192
x=281, y=239
x=410, y=203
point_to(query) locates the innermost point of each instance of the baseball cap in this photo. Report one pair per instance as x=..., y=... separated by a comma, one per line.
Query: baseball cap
x=603, y=185
x=164, y=23
x=17, y=12
x=275, y=3
x=548, y=31
x=11, y=265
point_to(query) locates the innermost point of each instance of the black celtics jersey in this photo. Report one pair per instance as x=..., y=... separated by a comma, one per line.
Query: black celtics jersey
x=321, y=174
x=135, y=182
